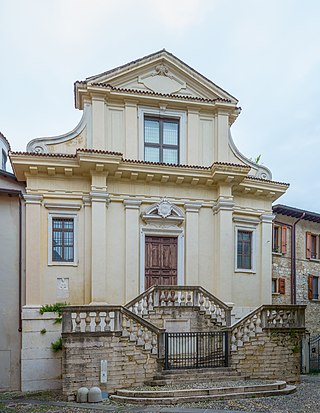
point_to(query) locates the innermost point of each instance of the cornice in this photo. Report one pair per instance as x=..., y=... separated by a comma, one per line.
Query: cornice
x=132, y=203
x=33, y=198
x=192, y=206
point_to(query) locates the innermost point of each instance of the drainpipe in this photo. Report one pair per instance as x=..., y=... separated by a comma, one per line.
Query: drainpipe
x=293, y=290
x=293, y=261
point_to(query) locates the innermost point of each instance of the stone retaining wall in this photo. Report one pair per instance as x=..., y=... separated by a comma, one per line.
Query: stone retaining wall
x=128, y=364
x=270, y=355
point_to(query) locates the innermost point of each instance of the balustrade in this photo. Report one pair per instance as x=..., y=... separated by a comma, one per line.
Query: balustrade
x=266, y=317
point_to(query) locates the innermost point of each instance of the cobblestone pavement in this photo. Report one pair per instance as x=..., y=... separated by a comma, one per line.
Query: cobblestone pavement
x=305, y=400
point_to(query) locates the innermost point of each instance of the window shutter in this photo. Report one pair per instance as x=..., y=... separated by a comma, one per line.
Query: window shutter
x=283, y=240
x=282, y=286
x=310, y=289
x=308, y=245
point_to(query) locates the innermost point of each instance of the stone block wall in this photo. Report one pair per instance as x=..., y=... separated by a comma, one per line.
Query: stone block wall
x=127, y=364
x=40, y=365
x=182, y=319
x=272, y=354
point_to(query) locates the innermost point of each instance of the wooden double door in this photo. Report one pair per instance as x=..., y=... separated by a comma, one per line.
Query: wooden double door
x=161, y=261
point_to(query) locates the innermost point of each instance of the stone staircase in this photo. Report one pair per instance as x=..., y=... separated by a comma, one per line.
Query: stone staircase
x=217, y=374
x=172, y=396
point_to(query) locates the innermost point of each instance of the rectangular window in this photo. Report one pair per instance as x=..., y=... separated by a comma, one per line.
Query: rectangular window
x=313, y=287
x=278, y=286
x=161, y=140
x=62, y=239
x=244, y=250
x=279, y=239
x=312, y=246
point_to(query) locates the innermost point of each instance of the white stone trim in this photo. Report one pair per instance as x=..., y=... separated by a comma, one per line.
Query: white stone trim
x=252, y=228
x=132, y=203
x=40, y=144
x=75, y=262
x=162, y=232
x=163, y=111
x=50, y=205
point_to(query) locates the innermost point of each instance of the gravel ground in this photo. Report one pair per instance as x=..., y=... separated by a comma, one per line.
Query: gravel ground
x=305, y=400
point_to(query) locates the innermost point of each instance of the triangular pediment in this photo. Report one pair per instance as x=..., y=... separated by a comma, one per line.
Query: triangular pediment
x=161, y=72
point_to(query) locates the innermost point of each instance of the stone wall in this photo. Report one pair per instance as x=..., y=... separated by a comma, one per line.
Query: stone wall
x=281, y=267
x=180, y=319
x=270, y=355
x=128, y=364
x=40, y=365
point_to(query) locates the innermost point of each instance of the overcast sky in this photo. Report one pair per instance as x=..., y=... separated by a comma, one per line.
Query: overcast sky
x=265, y=53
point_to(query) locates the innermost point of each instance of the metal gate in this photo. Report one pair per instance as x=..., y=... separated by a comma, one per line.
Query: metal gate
x=315, y=354
x=196, y=350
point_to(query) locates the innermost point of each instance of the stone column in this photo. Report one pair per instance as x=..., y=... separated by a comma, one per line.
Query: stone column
x=224, y=244
x=99, y=203
x=34, y=282
x=132, y=210
x=192, y=243
x=266, y=258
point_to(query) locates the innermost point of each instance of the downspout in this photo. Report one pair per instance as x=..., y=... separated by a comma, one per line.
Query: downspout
x=293, y=261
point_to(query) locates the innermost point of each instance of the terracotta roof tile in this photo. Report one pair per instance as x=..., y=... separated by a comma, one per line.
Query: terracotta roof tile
x=99, y=151
x=166, y=95
x=267, y=180
x=57, y=155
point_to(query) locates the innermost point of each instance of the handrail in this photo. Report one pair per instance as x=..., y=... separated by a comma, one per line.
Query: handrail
x=181, y=296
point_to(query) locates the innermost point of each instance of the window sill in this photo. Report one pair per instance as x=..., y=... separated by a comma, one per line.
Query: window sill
x=63, y=264
x=276, y=294
x=244, y=271
x=313, y=259
x=279, y=254
x=315, y=300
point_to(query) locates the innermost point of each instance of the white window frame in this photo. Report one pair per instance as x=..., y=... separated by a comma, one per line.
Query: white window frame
x=73, y=263
x=159, y=232
x=253, y=231
x=177, y=114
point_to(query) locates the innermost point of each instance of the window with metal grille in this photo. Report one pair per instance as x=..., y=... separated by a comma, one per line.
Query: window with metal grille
x=244, y=250
x=62, y=239
x=161, y=140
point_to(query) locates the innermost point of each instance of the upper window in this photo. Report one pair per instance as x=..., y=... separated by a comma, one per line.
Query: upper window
x=313, y=287
x=161, y=140
x=62, y=247
x=279, y=239
x=244, y=250
x=312, y=246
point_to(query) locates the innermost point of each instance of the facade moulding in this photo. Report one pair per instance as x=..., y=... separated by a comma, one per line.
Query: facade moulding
x=267, y=218
x=132, y=203
x=223, y=204
x=100, y=197
x=33, y=198
x=50, y=205
x=246, y=220
x=192, y=207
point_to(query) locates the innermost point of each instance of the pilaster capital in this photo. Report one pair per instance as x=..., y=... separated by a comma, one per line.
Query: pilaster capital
x=100, y=197
x=192, y=206
x=33, y=198
x=132, y=203
x=267, y=218
x=223, y=204
x=86, y=201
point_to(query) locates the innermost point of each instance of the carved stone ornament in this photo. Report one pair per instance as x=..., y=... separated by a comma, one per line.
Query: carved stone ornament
x=162, y=81
x=163, y=213
x=164, y=208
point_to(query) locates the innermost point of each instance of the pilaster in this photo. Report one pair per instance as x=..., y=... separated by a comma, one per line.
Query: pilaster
x=266, y=258
x=192, y=243
x=131, y=125
x=98, y=122
x=132, y=214
x=224, y=244
x=34, y=282
x=99, y=204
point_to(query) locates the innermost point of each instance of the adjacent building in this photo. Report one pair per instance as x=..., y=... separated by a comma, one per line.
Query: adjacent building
x=12, y=271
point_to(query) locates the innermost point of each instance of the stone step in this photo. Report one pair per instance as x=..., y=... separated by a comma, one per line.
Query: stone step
x=191, y=375
x=198, y=395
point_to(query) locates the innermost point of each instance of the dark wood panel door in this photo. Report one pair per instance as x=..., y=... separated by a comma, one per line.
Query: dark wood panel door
x=160, y=261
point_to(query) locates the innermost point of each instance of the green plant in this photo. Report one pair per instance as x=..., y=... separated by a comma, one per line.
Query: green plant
x=43, y=331
x=57, y=345
x=53, y=308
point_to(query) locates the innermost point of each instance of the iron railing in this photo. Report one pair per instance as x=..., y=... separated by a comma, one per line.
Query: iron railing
x=196, y=350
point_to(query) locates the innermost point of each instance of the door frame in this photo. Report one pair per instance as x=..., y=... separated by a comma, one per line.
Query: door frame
x=162, y=232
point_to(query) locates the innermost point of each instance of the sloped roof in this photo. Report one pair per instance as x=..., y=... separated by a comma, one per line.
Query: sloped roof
x=296, y=213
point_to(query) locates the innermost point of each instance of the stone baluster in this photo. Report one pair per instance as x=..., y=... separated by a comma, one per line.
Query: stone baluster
x=208, y=305
x=147, y=341
x=234, y=340
x=182, y=299
x=239, y=337
x=140, y=308
x=189, y=298
x=201, y=302
x=162, y=299
x=88, y=322
x=78, y=322
x=154, y=344
x=125, y=324
x=97, y=320
x=258, y=323
x=144, y=306
x=176, y=298
x=107, y=321
x=140, y=340
x=150, y=302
